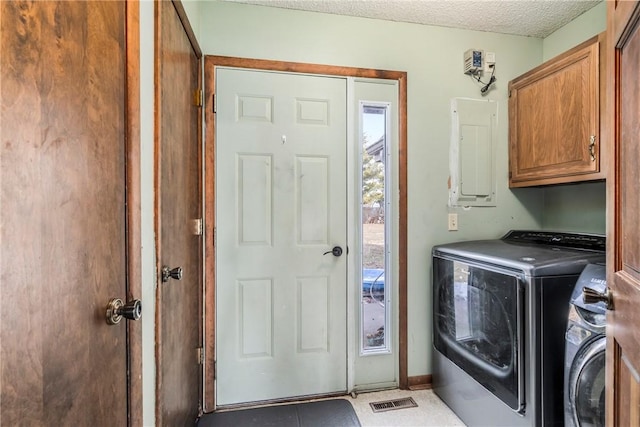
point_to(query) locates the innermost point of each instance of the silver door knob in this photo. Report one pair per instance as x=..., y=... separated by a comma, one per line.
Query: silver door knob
x=591, y=296
x=171, y=273
x=116, y=310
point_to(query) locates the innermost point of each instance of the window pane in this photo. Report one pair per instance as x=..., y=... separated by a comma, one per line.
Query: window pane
x=374, y=249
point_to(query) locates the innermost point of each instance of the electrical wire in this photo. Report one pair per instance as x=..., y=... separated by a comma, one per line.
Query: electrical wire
x=486, y=86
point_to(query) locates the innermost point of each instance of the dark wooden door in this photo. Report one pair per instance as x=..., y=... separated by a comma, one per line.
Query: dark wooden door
x=623, y=322
x=63, y=222
x=179, y=238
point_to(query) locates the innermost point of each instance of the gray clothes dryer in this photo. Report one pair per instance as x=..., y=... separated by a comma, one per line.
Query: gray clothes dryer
x=585, y=353
x=500, y=311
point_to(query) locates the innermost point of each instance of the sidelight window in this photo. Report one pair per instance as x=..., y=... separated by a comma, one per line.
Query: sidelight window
x=375, y=292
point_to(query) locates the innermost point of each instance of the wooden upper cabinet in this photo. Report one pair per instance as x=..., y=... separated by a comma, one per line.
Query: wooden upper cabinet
x=554, y=119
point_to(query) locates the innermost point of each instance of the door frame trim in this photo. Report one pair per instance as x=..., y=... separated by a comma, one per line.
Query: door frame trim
x=210, y=64
x=133, y=212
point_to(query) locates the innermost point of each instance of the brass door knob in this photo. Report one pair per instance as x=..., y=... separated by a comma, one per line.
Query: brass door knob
x=116, y=310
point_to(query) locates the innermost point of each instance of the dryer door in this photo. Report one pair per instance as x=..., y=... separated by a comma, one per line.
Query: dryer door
x=478, y=325
x=587, y=384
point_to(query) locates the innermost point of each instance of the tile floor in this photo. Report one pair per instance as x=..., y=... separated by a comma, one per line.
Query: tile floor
x=431, y=411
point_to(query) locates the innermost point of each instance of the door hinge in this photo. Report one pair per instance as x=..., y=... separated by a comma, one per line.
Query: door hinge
x=215, y=106
x=215, y=237
x=200, y=355
x=196, y=227
x=197, y=98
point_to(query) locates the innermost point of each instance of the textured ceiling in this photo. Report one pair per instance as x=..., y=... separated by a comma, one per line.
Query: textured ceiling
x=535, y=18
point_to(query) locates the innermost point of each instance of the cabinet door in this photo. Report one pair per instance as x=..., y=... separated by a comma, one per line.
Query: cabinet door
x=554, y=120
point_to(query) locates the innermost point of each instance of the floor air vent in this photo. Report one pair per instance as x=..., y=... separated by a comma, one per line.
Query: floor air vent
x=389, y=405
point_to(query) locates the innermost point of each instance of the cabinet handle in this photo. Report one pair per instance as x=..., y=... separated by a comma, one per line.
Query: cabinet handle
x=592, y=145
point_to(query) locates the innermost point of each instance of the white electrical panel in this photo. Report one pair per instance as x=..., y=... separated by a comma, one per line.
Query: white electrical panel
x=473, y=61
x=472, y=152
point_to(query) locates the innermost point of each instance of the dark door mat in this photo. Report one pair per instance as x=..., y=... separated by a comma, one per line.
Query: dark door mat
x=323, y=413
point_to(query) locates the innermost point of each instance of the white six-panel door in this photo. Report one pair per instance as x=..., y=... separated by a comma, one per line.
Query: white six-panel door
x=280, y=206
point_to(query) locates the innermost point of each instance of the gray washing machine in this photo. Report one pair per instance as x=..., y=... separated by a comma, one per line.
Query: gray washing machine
x=585, y=353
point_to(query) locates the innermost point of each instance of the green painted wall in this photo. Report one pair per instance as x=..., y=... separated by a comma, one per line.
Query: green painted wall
x=192, y=8
x=432, y=57
x=588, y=24
x=579, y=207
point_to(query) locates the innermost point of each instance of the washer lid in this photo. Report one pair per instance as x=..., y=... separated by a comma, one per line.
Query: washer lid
x=534, y=259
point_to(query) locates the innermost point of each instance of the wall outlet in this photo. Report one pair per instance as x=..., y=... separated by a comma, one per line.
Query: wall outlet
x=489, y=61
x=453, y=222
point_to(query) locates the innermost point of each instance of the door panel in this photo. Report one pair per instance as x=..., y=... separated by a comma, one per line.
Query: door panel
x=623, y=335
x=179, y=242
x=281, y=208
x=63, y=214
